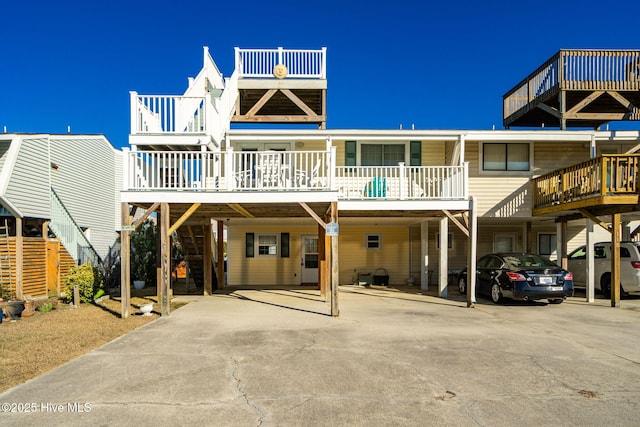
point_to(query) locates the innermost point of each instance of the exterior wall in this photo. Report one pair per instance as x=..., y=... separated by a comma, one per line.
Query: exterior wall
x=4, y=149
x=354, y=257
x=508, y=194
x=84, y=181
x=264, y=270
x=28, y=187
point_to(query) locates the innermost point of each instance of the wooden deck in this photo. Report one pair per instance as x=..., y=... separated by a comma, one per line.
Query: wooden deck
x=600, y=186
x=577, y=88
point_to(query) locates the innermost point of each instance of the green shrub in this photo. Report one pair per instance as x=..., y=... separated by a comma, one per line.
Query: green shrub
x=85, y=278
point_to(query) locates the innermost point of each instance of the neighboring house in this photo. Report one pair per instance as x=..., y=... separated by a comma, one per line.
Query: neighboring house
x=397, y=195
x=59, y=197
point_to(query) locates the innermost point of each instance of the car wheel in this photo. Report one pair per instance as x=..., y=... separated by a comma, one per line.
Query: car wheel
x=605, y=286
x=496, y=294
x=462, y=285
x=556, y=301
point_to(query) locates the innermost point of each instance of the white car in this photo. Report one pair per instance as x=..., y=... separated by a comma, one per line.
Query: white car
x=629, y=267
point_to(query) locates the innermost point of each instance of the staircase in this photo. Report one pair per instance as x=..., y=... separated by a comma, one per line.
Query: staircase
x=192, y=239
x=5, y=262
x=71, y=235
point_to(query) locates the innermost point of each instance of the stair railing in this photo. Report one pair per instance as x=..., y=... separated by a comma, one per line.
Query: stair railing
x=71, y=235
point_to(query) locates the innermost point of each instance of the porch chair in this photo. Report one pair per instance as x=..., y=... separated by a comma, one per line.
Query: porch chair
x=377, y=187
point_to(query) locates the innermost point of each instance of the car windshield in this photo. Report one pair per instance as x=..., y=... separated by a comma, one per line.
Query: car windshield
x=517, y=261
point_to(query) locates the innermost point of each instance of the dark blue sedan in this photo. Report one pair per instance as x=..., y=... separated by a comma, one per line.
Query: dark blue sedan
x=525, y=277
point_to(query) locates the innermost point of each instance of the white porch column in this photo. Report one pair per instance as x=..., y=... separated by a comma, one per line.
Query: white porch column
x=590, y=291
x=443, y=269
x=424, y=255
x=472, y=255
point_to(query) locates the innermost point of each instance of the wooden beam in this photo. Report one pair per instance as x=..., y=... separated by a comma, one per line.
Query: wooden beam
x=596, y=116
x=20, y=259
x=242, y=211
x=453, y=219
x=621, y=99
x=258, y=105
x=220, y=263
x=125, y=261
x=472, y=252
x=335, y=266
x=165, y=251
x=146, y=215
x=595, y=219
x=300, y=103
x=314, y=215
x=550, y=110
x=206, y=259
x=185, y=216
x=633, y=150
x=279, y=119
x=588, y=100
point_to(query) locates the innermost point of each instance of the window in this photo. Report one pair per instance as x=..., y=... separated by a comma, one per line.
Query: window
x=449, y=241
x=381, y=154
x=505, y=157
x=504, y=242
x=547, y=244
x=267, y=245
x=373, y=241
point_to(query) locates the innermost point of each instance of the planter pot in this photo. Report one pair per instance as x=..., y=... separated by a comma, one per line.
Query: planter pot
x=29, y=309
x=138, y=284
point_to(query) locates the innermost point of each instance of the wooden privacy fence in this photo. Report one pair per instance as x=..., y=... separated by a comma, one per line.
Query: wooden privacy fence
x=44, y=263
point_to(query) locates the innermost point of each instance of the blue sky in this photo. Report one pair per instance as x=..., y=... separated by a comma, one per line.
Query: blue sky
x=444, y=65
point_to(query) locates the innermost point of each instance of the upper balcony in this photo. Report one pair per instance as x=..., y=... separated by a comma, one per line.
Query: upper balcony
x=600, y=185
x=577, y=88
x=291, y=174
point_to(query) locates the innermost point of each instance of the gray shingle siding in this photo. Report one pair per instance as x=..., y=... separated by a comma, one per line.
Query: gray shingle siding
x=84, y=181
x=28, y=188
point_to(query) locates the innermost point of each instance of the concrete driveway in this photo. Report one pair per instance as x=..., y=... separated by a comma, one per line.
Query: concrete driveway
x=274, y=358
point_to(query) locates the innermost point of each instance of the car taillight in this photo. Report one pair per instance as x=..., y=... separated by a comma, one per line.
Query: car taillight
x=515, y=277
x=568, y=276
x=635, y=264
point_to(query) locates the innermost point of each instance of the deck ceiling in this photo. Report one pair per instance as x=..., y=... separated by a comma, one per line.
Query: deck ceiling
x=602, y=106
x=596, y=206
x=279, y=104
x=222, y=212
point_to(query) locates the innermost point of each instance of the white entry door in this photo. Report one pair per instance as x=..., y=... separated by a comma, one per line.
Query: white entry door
x=310, y=260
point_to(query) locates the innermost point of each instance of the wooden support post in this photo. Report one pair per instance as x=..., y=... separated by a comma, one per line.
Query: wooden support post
x=125, y=261
x=165, y=250
x=471, y=256
x=528, y=238
x=322, y=258
x=19, y=259
x=220, y=265
x=615, y=260
x=561, y=243
x=206, y=259
x=443, y=269
x=335, y=265
x=159, y=257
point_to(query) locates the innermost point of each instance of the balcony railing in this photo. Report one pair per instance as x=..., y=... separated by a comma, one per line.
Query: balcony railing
x=162, y=114
x=608, y=175
x=311, y=64
x=289, y=171
x=577, y=70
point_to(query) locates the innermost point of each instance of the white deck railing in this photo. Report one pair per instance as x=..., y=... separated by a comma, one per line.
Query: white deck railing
x=300, y=63
x=155, y=114
x=289, y=171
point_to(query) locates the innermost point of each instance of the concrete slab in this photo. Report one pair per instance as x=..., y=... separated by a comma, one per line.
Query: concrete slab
x=393, y=357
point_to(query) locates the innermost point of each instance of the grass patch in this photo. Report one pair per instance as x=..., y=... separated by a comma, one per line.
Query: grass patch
x=32, y=346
